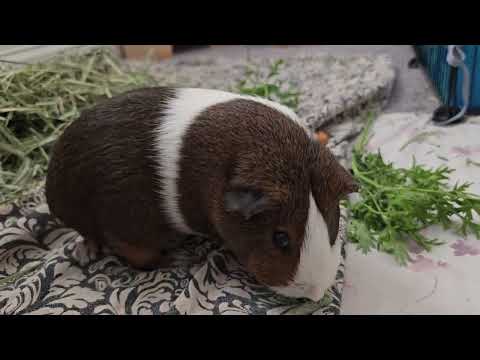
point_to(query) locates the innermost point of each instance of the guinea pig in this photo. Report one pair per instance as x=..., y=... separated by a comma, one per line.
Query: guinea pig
x=142, y=170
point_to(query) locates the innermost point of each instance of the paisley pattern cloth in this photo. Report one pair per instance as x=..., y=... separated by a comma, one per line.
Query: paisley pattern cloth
x=45, y=268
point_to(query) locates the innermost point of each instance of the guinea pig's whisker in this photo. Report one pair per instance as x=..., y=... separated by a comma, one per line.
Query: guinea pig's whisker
x=300, y=285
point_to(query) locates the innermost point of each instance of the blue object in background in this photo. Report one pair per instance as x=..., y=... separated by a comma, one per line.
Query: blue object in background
x=448, y=80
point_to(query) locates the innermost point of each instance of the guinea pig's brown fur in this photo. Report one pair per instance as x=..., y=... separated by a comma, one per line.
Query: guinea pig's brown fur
x=101, y=181
x=244, y=172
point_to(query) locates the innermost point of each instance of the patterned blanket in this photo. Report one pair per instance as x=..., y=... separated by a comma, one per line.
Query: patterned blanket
x=53, y=273
x=46, y=269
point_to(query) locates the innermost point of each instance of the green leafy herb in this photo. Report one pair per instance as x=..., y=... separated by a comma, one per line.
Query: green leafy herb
x=268, y=85
x=396, y=204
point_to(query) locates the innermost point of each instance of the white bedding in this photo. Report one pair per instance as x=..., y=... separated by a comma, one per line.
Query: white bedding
x=447, y=280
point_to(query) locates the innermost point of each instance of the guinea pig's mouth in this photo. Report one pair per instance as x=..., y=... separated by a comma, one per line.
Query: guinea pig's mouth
x=300, y=290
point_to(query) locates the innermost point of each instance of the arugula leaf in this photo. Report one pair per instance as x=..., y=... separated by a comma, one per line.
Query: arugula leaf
x=358, y=231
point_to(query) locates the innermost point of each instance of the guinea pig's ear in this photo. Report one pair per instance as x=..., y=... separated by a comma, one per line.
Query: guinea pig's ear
x=247, y=202
x=331, y=173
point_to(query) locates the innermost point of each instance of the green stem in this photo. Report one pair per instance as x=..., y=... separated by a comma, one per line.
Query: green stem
x=359, y=175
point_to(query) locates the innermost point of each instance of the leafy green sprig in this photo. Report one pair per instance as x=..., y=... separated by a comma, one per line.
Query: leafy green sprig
x=268, y=85
x=396, y=204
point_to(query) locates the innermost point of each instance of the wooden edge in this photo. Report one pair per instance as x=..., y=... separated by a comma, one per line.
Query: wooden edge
x=140, y=52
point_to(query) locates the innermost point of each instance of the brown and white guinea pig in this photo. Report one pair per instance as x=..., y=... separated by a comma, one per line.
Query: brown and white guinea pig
x=141, y=170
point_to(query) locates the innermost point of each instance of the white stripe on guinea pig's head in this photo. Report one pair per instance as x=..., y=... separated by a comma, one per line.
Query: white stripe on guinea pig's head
x=319, y=262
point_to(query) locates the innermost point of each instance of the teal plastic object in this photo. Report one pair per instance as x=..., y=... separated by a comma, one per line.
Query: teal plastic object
x=448, y=80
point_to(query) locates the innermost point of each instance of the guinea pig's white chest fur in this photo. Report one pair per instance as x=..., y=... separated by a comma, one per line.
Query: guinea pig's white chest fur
x=180, y=115
x=319, y=261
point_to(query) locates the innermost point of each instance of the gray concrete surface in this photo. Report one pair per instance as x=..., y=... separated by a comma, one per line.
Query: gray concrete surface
x=412, y=91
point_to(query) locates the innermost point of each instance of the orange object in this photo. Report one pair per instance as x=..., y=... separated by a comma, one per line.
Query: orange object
x=322, y=137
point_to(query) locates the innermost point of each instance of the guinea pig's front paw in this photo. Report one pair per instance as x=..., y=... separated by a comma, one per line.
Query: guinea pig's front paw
x=144, y=258
x=85, y=251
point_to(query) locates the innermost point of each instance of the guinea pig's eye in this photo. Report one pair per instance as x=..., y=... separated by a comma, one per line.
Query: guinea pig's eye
x=281, y=239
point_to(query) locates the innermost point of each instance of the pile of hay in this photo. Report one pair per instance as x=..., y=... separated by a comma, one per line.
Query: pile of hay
x=38, y=101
